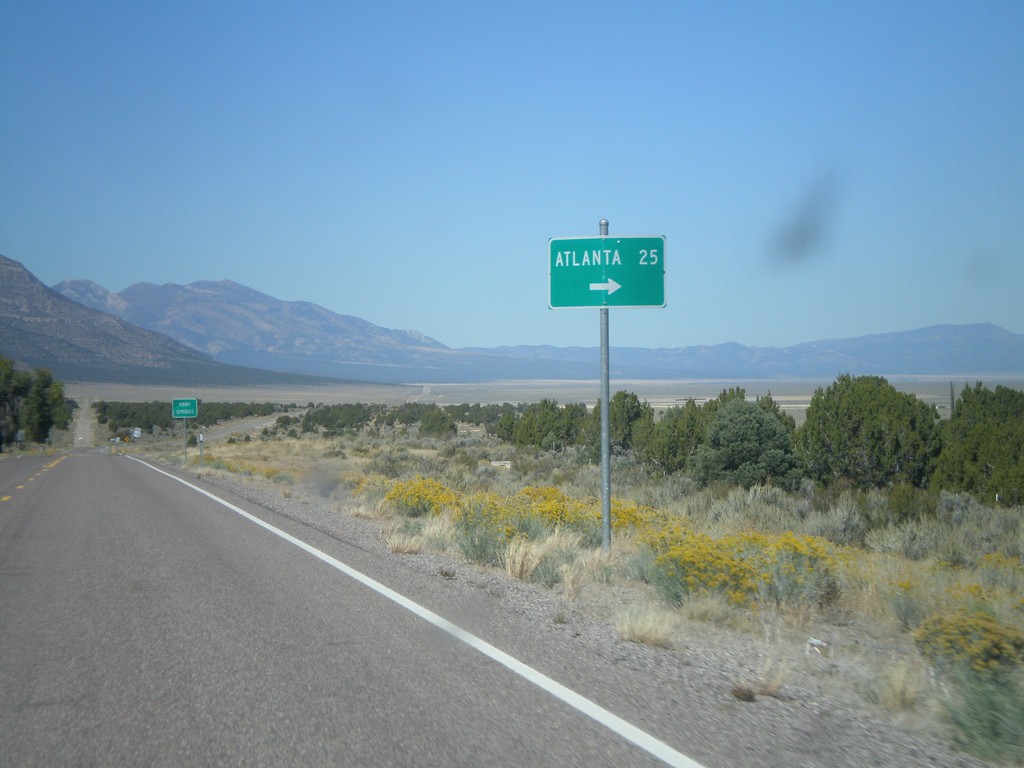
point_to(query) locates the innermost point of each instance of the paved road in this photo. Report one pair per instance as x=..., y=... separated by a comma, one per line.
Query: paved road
x=144, y=623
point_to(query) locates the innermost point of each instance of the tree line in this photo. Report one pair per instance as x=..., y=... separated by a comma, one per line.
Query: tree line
x=31, y=404
x=431, y=420
x=155, y=416
x=859, y=431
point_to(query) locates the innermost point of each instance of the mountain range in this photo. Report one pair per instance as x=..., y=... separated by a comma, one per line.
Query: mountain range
x=39, y=327
x=222, y=331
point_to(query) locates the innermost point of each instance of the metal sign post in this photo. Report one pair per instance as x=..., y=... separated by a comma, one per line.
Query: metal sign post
x=606, y=442
x=185, y=409
x=606, y=272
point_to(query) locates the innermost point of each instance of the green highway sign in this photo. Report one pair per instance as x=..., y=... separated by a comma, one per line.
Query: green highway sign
x=606, y=271
x=187, y=408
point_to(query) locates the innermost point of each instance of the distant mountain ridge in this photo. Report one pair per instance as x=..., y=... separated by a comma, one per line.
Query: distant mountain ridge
x=233, y=324
x=239, y=325
x=981, y=348
x=39, y=327
x=236, y=324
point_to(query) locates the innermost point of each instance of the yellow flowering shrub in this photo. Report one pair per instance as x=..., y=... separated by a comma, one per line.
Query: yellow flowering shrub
x=627, y=514
x=421, y=496
x=665, y=533
x=555, y=508
x=745, y=567
x=536, y=511
x=699, y=563
x=792, y=568
x=972, y=638
x=485, y=523
x=491, y=511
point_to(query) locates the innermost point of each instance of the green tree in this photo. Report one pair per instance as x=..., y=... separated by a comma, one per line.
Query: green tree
x=331, y=418
x=747, y=445
x=983, y=444
x=625, y=412
x=669, y=442
x=568, y=426
x=33, y=402
x=538, y=420
x=437, y=422
x=863, y=429
x=709, y=409
x=771, y=406
x=546, y=425
x=35, y=417
x=505, y=428
x=14, y=385
x=627, y=416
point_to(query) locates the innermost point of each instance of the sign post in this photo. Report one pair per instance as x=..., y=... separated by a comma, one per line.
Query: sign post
x=606, y=272
x=185, y=408
x=606, y=396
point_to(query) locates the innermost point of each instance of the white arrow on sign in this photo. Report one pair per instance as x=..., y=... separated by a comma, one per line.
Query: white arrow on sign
x=611, y=286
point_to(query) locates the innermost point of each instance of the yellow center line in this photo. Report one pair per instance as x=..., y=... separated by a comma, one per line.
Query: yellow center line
x=36, y=476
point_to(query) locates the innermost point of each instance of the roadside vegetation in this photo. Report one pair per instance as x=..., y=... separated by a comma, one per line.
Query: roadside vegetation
x=32, y=403
x=155, y=418
x=872, y=514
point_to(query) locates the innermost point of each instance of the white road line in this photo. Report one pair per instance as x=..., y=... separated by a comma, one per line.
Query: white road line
x=594, y=711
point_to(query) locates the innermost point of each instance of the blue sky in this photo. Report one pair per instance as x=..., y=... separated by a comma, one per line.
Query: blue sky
x=819, y=169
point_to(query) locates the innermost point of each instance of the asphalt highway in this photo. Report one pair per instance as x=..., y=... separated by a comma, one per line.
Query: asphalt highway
x=143, y=622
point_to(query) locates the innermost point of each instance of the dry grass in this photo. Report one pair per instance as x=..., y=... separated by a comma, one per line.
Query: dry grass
x=797, y=618
x=715, y=608
x=521, y=558
x=404, y=544
x=770, y=679
x=648, y=625
x=401, y=542
x=366, y=511
x=574, y=577
x=600, y=566
x=773, y=675
x=900, y=685
x=438, y=533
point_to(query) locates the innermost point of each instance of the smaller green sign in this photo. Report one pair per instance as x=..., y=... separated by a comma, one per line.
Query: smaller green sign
x=187, y=408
